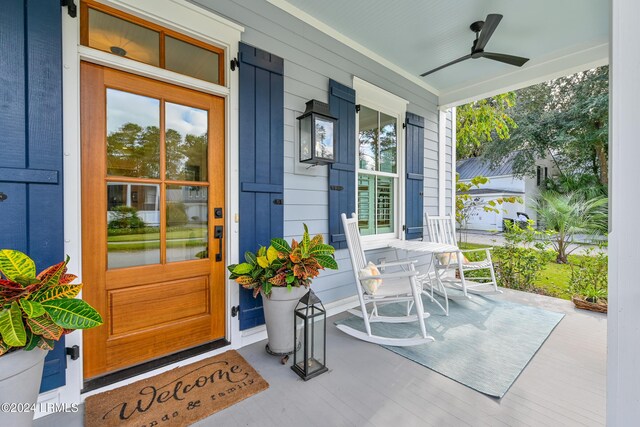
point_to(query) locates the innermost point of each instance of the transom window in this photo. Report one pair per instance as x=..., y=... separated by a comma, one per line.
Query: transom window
x=124, y=35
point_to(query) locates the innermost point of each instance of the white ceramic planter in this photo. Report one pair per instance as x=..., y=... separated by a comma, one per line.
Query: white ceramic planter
x=278, y=315
x=20, y=375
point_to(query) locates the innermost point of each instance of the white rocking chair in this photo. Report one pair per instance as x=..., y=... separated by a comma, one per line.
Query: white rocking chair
x=442, y=230
x=395, y=287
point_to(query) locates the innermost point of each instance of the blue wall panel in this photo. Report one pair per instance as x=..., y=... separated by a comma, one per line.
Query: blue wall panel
x=414, y=196
x=31, y=144
x=342, y=192
x=261, y=161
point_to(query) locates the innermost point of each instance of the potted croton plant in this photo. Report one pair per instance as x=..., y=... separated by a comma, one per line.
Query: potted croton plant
x=282, y=273
x=35, y=311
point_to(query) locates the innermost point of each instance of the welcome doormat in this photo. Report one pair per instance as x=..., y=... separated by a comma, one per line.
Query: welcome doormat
x=178, y=397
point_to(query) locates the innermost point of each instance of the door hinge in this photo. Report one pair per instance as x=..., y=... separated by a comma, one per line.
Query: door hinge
x=234, y=64
x=404, y=228
x=72, y=9
x=235, y=310
x=357, y=108
x=404, y=125
x=73, y=352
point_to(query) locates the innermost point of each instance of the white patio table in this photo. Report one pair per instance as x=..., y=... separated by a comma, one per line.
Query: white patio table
x=432, y=249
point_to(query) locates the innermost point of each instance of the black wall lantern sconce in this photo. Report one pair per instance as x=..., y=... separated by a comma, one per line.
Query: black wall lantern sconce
x=317, y=134
x=310, y=337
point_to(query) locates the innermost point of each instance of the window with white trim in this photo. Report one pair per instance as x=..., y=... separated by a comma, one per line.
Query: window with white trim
x=380, y=142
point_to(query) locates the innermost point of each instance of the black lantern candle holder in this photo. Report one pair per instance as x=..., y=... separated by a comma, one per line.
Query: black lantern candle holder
x=317, y=129
x=310, y=337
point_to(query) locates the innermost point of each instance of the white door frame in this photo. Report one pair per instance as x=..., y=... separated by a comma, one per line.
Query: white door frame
x=195, y=22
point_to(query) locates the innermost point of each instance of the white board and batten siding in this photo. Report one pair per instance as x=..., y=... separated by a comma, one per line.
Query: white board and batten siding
x=311, y=58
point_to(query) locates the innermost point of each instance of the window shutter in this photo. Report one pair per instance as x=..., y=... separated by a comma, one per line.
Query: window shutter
x=31, y=145
x=414, y=196
x=261, y=161
x=342, y=179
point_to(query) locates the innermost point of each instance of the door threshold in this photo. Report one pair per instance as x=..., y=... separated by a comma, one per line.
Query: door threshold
x=114, y=377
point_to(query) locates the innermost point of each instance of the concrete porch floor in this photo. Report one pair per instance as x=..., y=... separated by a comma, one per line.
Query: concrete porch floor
x=367, y=385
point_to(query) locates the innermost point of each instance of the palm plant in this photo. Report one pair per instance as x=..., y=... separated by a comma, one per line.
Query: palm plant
x=567, y=215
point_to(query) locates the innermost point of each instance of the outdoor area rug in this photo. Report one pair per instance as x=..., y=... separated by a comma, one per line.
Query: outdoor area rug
x=484, y=343
x=178, y=397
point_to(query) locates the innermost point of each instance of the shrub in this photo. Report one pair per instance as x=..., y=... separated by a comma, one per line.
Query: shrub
x=521, y=259
x=589, y=276
x=567, y=215
x=125, y=217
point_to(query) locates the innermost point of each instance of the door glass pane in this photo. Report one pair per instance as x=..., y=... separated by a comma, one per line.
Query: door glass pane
x=368, y=138
x=133, y=224
x=133, y=135
x=123, y=38
x=384, y=204
x=191, y=60
x=186, y=142
x=388, y=143
x=366, y=204
x=187, y=219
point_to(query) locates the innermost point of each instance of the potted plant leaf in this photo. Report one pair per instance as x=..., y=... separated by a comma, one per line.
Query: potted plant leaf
x=35, y=311
x=282, y=273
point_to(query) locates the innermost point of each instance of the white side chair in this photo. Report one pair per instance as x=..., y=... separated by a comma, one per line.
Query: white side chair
x=395, y=287
x=442, y=229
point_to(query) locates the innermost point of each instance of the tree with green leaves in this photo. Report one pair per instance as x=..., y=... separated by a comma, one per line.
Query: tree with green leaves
x=565, y=119
x=483, y=121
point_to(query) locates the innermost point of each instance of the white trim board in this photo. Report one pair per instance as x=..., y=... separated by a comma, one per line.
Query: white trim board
x=442, y=161
x=337, y=35
x=184, y=18
x=454, y=137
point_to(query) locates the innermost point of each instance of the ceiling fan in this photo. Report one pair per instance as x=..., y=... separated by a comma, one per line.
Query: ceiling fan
x=484, y=30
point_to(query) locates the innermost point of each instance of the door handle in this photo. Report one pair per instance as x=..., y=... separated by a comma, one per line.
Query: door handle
x=217, y=234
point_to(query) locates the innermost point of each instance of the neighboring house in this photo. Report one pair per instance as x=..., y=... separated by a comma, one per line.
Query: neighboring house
x=503, y=183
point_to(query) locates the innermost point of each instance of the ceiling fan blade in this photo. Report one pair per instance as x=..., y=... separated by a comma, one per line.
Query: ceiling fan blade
x=445, y=65
x=488, y=28
x=518, y=61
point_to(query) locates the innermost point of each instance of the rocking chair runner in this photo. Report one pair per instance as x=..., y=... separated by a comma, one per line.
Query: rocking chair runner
x=442, y=230
x=395, y=287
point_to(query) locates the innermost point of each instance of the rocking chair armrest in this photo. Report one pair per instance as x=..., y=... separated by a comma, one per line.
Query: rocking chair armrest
x=397, y=263
x=476, y=250
x=396, y=275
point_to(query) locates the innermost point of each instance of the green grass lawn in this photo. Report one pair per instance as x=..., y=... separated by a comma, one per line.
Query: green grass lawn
x=553, y=279
x=184, y=237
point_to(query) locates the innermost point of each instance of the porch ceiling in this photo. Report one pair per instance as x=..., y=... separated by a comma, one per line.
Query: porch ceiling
x=559, y=36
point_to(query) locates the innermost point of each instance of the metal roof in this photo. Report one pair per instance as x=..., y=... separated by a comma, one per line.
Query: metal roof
x=482, y=191
x=469, y=168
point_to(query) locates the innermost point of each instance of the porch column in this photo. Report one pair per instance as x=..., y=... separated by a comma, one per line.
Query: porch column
x=623, y=363
x=442, y=162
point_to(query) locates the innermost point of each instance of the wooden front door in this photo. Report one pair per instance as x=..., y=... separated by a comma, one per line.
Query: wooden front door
x=152, y=215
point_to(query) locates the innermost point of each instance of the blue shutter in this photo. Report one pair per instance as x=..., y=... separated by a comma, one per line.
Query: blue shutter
x=414, y=196
x=261, y=161
x=342, y=173
x=31, y=142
